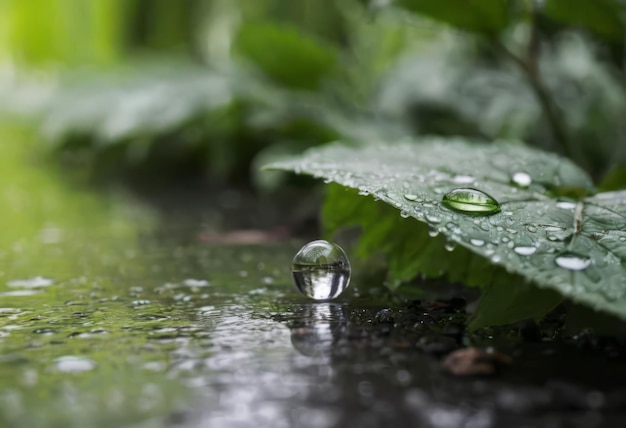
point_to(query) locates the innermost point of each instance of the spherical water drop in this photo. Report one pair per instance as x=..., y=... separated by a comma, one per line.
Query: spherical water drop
x=471, y=201
x=525, y=250
x=572, y=261
x=522, y=179
x=321, y=270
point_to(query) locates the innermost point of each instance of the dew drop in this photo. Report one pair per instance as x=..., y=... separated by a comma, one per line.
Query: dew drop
x=432, y=218
x=572, y=261
x=432, y=231
x=471, y=201
x=522, y=179
x=404, y=214
x=531, y=228
x=463, y=179
x=410, y=197
x=566, y=205
x=525, y=250
x=450, y=245
x=477, y=242
x=321, y=270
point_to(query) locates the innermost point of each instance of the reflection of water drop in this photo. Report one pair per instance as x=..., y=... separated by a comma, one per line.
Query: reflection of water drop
x=572, y=261
x=410, y=197
x=522, y=179
x=525, y=250
x=471, y=201
x=321, y=270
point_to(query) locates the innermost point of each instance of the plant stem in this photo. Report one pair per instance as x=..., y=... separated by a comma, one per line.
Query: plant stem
x=530, y=66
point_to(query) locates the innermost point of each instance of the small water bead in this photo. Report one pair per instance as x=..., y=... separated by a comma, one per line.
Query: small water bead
x=404, y=214
x=432, y=231
x=321, y=270
x=572, y=261
x=463, y=179
x=471, y=201
x=432, y=218
x=522, y=179
x=531, y=228
x=477, y=242
x=525, y=250
x=450, y=245
x=410, y=197
x=566, y=205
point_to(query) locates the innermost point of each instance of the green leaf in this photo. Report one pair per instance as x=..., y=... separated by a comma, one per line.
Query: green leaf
x=480, y=16
x=574, y=247
x=603, y=17
x=286, y=54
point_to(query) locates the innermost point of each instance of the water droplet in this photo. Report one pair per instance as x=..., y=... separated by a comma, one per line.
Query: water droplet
x=74, y=364
x=471, y=201
x=432, y=231
x=525, y=250
x=410, y=197
x=531, y=228
x=522, y=179
x=566, y=205
x=463, y=179
x=321, y=270
x=572, y=261
x=477, y=242
x=496, y=258
x=404, y=214
x=450, y=245
x=432, y=218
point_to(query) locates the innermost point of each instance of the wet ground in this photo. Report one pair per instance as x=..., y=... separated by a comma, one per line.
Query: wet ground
x=114, y=315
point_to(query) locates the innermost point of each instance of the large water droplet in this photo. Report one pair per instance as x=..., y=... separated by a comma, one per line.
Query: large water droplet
x=572, y=261
x=321, y=270
x=471, y=201
x=525, y=250
x=522, y=179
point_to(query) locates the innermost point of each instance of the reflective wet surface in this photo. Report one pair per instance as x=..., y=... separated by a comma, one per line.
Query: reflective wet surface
x=112, y=314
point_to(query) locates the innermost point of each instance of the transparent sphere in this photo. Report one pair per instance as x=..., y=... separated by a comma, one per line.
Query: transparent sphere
x=321, y=270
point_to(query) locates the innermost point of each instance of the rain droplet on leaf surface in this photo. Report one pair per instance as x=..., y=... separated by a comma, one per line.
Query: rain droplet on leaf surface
x=477, y=242
x=525, y=250
x=410, y=197
x=572, y=261
x=471, y=201
x=321, y=270
x=522, y=179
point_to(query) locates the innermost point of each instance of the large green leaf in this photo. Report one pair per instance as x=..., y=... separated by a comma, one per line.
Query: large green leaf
x=574, y=247
x=603, y=17
x=481, y=16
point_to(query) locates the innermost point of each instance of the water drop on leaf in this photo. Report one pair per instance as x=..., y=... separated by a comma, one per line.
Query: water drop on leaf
x=410, y=197
x=521, y=179
x=450, y=245
x=525, y=250
x=471, y=201
x=432, y=231
x=572, y=261
x=477, y=242
x=321, y=270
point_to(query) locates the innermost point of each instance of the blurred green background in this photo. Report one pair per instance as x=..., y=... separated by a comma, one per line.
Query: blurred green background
x=201, y=93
